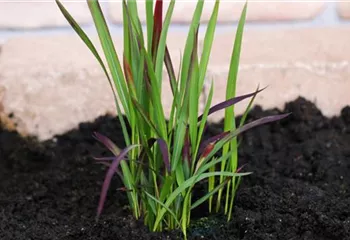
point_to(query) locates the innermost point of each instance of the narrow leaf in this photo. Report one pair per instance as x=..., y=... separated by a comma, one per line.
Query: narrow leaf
x=186, y=147
x=107, y=142
x=164, y=206
x=157, y=27
x=165, y=153
x=149, y=23
x=209, y=194
x=189, y=183
x=93, y=50
x=110, y=53
x=162, y=43
x=127, y=71
x=245, y=114
x=112, y=169
x=229, y=102
x=207, y=45
x=213, y=139
x=170, y=69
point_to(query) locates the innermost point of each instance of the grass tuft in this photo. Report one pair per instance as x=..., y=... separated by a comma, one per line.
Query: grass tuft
x=164, y=160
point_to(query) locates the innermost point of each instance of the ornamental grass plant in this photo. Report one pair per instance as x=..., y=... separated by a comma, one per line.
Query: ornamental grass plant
x=166, y=157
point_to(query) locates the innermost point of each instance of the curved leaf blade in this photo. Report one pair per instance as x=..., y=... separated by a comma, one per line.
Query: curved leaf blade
x=112, y=169
x=230, y=102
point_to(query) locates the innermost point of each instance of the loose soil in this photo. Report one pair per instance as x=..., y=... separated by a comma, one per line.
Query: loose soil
x=299, y=189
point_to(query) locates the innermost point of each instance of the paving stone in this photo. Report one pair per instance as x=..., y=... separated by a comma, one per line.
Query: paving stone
x=344, y=9
x=313, y=63
x=36, y=14
x=230, y=10
x=51, y=84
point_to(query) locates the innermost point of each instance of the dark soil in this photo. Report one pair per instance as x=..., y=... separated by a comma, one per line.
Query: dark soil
x=300, y=188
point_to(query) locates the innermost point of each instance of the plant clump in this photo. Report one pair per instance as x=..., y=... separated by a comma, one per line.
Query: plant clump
x=165, y=158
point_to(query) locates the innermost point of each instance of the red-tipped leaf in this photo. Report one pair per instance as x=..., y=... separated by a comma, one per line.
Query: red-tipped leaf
x=157, y=28
x=127, y=71
x=170, y=69
x=240, y=168
x=207, y=150
x=213, y=139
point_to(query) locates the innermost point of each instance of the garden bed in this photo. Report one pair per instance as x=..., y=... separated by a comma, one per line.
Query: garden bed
x=300, y=188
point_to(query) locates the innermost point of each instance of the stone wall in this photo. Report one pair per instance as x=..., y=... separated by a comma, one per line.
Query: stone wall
x=50, y=82
x=31, y=14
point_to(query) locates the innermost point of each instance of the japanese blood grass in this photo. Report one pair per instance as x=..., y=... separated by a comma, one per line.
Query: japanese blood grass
x=164, y=160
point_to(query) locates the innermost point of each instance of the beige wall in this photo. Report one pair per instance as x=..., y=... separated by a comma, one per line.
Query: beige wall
x=51, y=82
x=31, y=14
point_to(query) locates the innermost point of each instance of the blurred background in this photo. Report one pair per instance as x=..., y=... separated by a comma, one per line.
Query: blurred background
x=50, y=82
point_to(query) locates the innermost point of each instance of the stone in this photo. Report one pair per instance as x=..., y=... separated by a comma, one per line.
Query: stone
x=36, y=14
x=312, y=63
x=230, y=11
x=343, y=9
x=51, y=84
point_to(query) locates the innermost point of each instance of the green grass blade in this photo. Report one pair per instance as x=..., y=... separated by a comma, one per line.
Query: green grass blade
x=207, y=45
x=176, y=103
x=248, y=108
x=204, y=116
x=110, y=53
x=126, y=35
x=233, y=71
x=83, y=36
x=200, y=136
x=164, y=207
x=185, y=214
x=186, y=60
x=146, y=118
x=229, y=122
x=171, y=71
x=155, y=94
x=166, y=188
x=193, y=95
x=209, y=194
x=149, y=23
x=189, y=183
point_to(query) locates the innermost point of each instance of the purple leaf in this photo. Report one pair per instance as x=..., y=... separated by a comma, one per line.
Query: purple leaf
x=186, y=147
x=231, y=134
x=170, y=70
x=108, y=164
x=164, y=150
x=112, y=169
x=127, y=71
x=240, y=168
x=207, y=150
x=253, y=124
x=107, y=142
x=194, y=58
x=229, y=103
x=103, y=159
x=262, y=121
x=105, y=163
x=213, y=139
x=157, y=27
